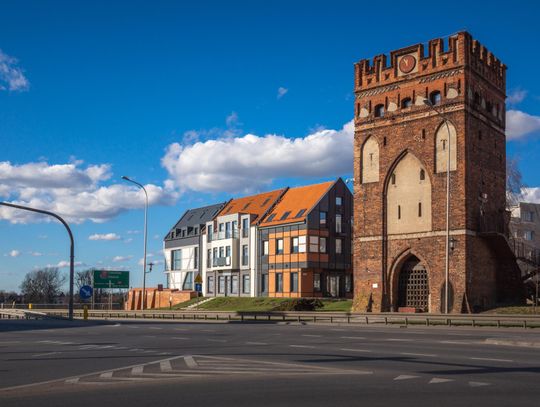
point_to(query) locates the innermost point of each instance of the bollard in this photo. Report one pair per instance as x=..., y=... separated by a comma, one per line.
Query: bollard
x=30, y=306
x=85, y=312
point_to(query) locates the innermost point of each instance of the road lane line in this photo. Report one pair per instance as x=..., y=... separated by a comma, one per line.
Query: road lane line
x=355, y=350
x=312, y=336
x=436, y=380
x=165, y=366
x=179, y=337
x=256, y=343
x=427, y=355
x=45, y=354
x=106, y=375
x=137, y=369
x=493, y=360
x=352, y=337
x=217, y=340
x=405, y=377
x=398, y=340
x=478, y=384
x=302, y=346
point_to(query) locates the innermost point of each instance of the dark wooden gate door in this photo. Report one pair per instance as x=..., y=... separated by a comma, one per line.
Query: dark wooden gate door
x=413, y=288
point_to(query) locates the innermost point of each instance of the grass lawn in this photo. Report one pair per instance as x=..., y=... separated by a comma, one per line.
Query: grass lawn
x=266, y=304
x=185, y=303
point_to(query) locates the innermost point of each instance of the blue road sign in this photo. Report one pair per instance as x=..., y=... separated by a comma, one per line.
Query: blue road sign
x=85, y=292
x=198, y=287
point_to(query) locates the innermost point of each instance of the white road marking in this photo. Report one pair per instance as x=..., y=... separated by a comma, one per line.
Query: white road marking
x=165, y=366
x=398, y=340
x=478, y=384
x=302, y=346
x=106, y=375
x=256, y=343
x=355, y=350
x=72, y=381
x=427, y=355
x=312, y=336
x=353, y=337
x=456, y=342
x=179, y=337
x=405, y=377
x=137, y=370
x=190, y=362
x=493, y=360
x=155, y=327
x=45, y=354
x=436, y=380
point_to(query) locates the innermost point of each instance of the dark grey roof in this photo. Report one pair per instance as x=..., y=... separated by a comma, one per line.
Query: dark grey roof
x=193, y=221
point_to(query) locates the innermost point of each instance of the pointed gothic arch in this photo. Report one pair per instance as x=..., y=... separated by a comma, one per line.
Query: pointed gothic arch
x=370, y=161
x=441, y=146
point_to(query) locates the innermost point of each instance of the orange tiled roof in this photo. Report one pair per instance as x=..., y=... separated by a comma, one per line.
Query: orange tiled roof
x=253, y=204
x=298, y=201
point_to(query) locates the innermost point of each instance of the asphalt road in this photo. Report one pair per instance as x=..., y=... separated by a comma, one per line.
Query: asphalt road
x=134, y=363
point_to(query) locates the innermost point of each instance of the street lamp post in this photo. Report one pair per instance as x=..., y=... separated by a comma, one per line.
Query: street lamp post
x=428, y=103
x=143, y=302
x=71, y=250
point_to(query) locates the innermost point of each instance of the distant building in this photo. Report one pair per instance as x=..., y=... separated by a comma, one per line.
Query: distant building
x=183, y=244
x=230, y=246
x=305, y=243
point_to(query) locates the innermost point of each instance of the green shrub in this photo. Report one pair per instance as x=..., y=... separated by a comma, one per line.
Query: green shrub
x=300, y=304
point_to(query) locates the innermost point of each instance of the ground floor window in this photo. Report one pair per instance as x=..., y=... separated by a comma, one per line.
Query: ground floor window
x=317, y=282
x=188, y=282
x=348, y=283
x=294, y=282
x=210, y=284
x=279, y=282
x=246, y=284
x=221, y=285
x=234, y=284
x=264, y=283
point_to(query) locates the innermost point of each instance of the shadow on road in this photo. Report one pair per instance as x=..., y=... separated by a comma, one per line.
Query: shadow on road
x=14, y=325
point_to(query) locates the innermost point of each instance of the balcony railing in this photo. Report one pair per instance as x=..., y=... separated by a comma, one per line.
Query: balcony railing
x=228, y=234
x=221, y=261
x=245, y=260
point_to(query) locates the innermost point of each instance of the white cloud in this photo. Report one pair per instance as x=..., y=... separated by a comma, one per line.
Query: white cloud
x=11, y=75
x=104, y=236
x=14, y=253
x=248, y=162
x=531, y=195
x=120, y=259
x=520, y=124
x=35, y=254
x=281, y=92
x=72, y=191
x=516, y=96
x=133, y=232
x=128, y=240
x=65, y=263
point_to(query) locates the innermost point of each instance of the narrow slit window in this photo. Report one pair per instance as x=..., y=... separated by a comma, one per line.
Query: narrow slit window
x=422, y=175
x=419, y=209
x=393, y=179
x=399, y=211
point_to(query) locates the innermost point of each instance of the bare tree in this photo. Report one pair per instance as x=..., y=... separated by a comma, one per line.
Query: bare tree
x=43, y=285
x=514, y=182
x=83, y=277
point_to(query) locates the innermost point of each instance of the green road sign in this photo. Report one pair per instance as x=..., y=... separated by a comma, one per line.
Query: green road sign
x=111, y=279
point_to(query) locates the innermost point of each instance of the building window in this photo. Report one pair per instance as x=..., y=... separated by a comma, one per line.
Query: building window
x=209, y=259
x=234, y=284
x=348, y=283
x=285, y=215
x=245, y=255
x=222, y=252
x=221, y=285
x=419, y=209
x=294, y=245
x=176, y=259
x=527, y=216
x=301, y=244
x=246, y=286
x=271, y=217
x=317, y=282
x=210, y=285
x=279, y=282
x=406, y=103
x=210, y=232
x=399, y=211
x=264, y=283
x=422, y=175
x=393, y=179
x=221, y=227
x=227, y=230
x=339, y=248
x=279, y=246
x=528, y=235
x=322, y=218
x=338, y=224
x=214, y=257
x=300, y=213
x=228, y=251
x=313, y=244
x=188, y=282
x=245, y=227
x=294, y=282
x=339, y=200
x=195, y=257
x=322, y=244
x=435, y=97
x=266, y=248
x=379, y=110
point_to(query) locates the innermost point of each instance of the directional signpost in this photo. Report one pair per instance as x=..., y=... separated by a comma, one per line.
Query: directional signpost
x=198, y=283
x=86, y=292
x=111, y=279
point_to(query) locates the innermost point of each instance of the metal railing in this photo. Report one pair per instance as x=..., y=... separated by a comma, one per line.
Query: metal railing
x=227, y=234
x=522, y=321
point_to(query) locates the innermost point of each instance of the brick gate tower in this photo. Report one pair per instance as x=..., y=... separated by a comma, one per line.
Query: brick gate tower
x=400, y=168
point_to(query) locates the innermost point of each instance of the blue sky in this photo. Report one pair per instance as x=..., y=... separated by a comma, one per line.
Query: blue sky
x=98, y=89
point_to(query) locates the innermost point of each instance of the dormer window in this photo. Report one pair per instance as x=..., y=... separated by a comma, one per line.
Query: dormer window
x=379, y=110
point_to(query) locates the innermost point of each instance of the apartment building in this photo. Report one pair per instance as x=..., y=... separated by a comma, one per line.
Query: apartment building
x=230, y=246
x=305, y=243
x=525, y=232
x=182, y=247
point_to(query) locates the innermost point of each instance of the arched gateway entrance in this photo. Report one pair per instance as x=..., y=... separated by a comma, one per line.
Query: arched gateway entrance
x=413, y=287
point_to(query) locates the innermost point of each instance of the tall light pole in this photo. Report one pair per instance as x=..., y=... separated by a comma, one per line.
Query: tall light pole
x=428, y=103
x=71, y=250
x=143, y=302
